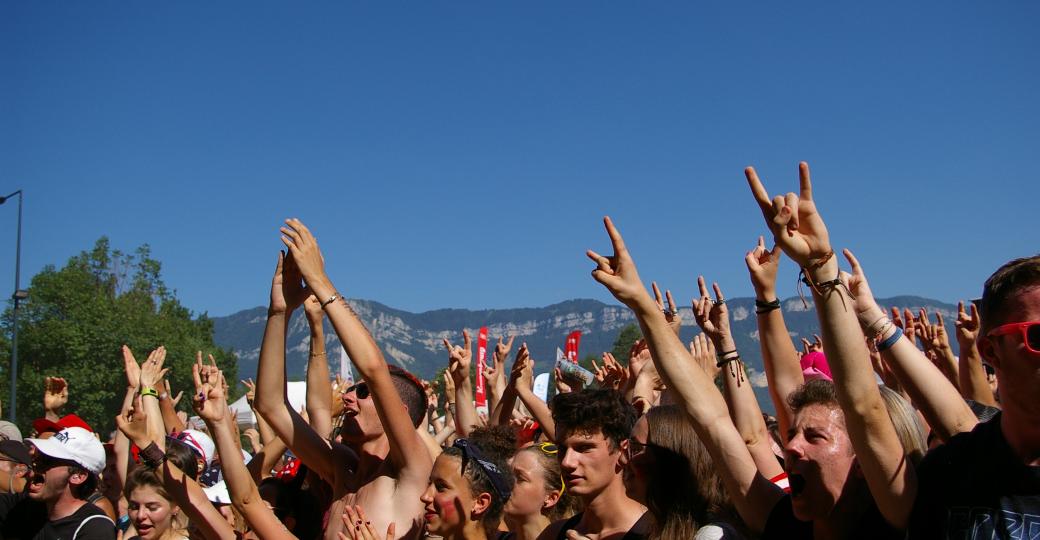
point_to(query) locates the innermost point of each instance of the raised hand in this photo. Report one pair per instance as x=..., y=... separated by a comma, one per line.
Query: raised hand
x=493, y=372
x=209, y=401
x=133, y=371
x=762, y=265
x=358, y=526
x=449, y=387
x=615, y=375
x=561, y=386
x=703, y=352
x=522, y=375
x=671, y=313
x=712, y=315
x=812, y=346
x=312, y=307
x=907, y=326
x=967, y=325
x=250, y=390
x=305, y=253
x=459, y=358
x=796, y=224
x=152, y=372
x=174, y=400
x=55, y=394
x=132, y=421
x=618, y=272
x=638, y=357
x=502, y=350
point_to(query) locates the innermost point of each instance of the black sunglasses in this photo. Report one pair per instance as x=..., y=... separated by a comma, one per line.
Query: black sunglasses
x=361, y=388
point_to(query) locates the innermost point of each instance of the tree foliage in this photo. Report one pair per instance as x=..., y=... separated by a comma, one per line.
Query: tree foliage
x=76, y=320
x=627, y=337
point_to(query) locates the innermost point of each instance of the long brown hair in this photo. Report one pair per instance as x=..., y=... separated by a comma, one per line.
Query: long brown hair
x=684, y=492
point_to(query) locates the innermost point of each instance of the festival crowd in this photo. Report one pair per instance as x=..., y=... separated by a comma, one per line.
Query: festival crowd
x=880, y=430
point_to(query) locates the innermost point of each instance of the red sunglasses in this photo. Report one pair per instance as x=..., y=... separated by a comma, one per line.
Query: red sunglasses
x=1030, y=333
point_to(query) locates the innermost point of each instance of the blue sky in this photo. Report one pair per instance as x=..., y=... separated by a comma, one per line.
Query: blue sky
x=461, y=154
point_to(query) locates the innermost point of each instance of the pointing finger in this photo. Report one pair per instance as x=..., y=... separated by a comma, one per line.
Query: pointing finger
x=804, y=182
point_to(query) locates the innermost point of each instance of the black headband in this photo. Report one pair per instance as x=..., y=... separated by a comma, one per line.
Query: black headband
x=497, y=477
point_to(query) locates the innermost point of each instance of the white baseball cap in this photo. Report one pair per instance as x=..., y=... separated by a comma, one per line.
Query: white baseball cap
x=74, y=444
x=199, y=442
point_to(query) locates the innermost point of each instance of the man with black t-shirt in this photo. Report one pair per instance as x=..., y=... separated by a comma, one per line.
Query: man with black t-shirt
x=986, y=483
x=65, y=471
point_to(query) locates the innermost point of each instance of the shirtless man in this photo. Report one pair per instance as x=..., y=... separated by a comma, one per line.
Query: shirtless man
x=383, y=465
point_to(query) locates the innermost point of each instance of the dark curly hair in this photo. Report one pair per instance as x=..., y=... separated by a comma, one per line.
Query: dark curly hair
x=592, y=410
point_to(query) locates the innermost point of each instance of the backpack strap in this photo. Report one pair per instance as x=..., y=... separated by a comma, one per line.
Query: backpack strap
x=84, y=522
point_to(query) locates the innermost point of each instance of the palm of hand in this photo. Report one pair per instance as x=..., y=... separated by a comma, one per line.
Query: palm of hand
x=810, y=241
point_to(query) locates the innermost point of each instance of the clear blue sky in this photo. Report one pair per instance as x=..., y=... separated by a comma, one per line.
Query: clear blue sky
x=461, y=154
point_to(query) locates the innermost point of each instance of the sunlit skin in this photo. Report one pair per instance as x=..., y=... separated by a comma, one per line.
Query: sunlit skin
x=819, y=453
x=589, y=464
x=151, y=514
x=451, y=510
x=636, y=467
x=1018, y=375
x=47, y=483
x=360, y=419
x=525, y=511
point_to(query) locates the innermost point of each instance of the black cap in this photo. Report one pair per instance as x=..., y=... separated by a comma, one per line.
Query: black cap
x=16, y=451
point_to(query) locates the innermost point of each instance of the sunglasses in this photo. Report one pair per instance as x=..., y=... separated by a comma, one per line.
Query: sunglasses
x=636, y=448
x=42, y=463
x=1030, y=333
x=361, y=388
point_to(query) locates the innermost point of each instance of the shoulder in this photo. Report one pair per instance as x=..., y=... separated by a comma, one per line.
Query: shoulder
x=93, y=524
x=557, y=528
x=963, y=449
x=782, y=522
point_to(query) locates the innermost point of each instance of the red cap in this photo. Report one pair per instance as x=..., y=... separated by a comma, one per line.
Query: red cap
x=42, y=425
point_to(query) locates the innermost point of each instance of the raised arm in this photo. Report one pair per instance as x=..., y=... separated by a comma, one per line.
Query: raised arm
x=407, y=451
x=319, y=393
x=494, y=375
x=931, y=392
x=152, y=374
x=459, y=360
x=713, y=318
x=753, y=495
x=779, y=356
x=133, y=425
x=210, y=404
x=55, y=396
x=168, y=406
x=800, y=231
x=972, y=375
x=271, y=401
x=523, y=382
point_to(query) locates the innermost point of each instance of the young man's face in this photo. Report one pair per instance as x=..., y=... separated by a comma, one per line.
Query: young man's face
x=589, y=463
x=819, y=459
x=361, y=420
x=49, y=479
x=1018, y=368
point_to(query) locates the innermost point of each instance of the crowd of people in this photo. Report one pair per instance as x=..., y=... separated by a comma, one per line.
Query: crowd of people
x=880, y=431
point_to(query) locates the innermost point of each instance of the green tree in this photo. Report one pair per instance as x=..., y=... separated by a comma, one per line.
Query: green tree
x=76, y=320
x=625, y=339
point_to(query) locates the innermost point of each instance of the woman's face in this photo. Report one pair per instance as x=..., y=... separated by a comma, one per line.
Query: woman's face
x=151, y=514
x=529, y=492
x=447, y=498
x=640, y=456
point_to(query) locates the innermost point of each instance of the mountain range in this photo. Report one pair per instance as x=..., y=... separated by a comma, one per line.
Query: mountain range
x=414, y=341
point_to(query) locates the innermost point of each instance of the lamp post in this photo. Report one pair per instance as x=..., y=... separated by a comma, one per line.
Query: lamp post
x=18, y=296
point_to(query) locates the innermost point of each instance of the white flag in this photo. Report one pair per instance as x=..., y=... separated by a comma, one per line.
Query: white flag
x=344, y=366
x=541, y=386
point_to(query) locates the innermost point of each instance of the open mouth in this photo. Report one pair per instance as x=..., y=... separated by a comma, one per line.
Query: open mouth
x=797, y=483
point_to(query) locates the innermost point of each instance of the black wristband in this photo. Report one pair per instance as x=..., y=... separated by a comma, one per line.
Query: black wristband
x=765, y=307
x=724, y=361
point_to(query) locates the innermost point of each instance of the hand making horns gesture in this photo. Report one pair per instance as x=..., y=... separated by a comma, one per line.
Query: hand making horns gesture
x=797, y=227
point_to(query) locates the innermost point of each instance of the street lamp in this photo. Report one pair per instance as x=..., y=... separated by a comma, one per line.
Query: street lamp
x=18, y=296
